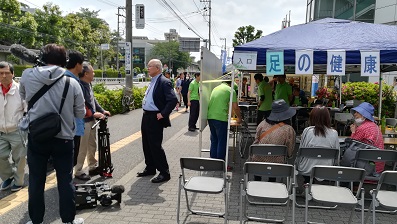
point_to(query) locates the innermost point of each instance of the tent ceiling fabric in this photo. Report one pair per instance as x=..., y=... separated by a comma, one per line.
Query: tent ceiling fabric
x=329, y=34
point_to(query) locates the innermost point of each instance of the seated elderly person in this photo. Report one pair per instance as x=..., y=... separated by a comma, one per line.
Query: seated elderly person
x=276, y=129
x=364, y=129
x=319, y=134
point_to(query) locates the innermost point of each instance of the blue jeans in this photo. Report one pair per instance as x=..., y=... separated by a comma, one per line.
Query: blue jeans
x=61, y=151
x=218, y=138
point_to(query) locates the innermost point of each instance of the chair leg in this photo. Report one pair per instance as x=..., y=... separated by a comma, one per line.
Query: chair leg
x=179, y=199
x=306, y=186
x=374, y=205
x=226, y=202
x=293, y=203
x=241, y=200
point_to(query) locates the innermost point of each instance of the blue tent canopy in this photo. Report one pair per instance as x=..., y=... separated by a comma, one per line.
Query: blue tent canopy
x=328, y=34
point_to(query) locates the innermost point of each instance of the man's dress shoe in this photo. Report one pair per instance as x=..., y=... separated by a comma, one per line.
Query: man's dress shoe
x=145, y=173
x=161, y=178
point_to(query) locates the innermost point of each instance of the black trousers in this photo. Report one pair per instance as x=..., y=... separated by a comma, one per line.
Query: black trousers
x=184, y=96
x=61, y=151
x=152, y=137
x=261, y=115
x=194, y=113
x=76, y=148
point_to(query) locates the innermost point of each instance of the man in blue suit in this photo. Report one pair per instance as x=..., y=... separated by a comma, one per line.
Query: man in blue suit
x=158, y=103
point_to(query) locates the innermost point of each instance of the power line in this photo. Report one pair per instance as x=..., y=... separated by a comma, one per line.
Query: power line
x=108, y=3
x=170, y=9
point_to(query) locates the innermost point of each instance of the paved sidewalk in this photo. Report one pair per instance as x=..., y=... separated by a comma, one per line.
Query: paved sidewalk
x=145, y=202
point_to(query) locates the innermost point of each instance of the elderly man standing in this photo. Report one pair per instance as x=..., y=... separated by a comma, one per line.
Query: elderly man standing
x=158, y=103
x=11, y=110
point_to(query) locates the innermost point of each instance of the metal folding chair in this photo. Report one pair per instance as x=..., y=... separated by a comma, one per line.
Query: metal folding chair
x=384, y=198
x=269, y=150
x=335, y=195
x=203, y=184
x=267, y=193
x=316, y=153
x=364, y=156
x=342, y=118
x=247, y=133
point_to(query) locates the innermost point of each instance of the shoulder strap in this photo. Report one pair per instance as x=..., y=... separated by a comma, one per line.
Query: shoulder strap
x=40, y=93
x=270, y=130
x=65, y=91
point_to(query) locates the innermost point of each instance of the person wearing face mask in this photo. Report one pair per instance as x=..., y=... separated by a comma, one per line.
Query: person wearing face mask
x=364, y=129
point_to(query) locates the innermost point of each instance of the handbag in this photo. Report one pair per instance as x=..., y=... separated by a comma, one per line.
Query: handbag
x=260, y=158
x=49, y=125
x=349, y=156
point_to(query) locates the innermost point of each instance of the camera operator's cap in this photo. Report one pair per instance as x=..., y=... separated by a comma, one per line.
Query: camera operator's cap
x=365, y=109
x=281, y=111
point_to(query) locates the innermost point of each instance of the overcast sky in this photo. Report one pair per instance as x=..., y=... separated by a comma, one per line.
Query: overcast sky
x=227, y=16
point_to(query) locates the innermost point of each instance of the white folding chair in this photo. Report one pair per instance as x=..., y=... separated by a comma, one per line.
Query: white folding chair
x=383, y=198
x=203, y=184
x=317, y=153
x=267, y=193
x=335, y=195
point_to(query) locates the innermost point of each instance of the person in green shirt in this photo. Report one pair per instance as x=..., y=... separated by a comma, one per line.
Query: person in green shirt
x=193, y=99
x=265, y=97
x=283, y=90
x=217, y=115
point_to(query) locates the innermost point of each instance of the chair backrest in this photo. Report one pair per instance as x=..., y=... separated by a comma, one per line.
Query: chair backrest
x=343, y=116
x=268, y=150
x=269, y=169
x=391, y=122
x=202, y=164
x=319, y=153
x=338, y=173
x=388, y=177
x=377, y=155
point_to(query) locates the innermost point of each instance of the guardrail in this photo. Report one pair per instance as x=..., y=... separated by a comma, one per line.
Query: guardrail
x=107, y=81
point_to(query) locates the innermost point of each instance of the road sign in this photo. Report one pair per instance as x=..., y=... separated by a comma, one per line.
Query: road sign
x=139, y=16
x=127, y=57
x=190, y=44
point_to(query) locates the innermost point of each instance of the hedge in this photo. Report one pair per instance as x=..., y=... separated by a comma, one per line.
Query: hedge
x=111, y=99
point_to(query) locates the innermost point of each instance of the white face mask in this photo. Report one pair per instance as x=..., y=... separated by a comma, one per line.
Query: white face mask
x=359, y=121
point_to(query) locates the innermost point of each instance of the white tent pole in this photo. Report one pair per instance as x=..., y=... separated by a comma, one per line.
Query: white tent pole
x=340, y=90
x=229, y=117
x=380, y=97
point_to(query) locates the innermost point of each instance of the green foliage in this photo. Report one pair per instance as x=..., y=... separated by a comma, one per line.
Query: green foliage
x=12, y=59
x=245, y=34
x=18, y=69
x=111, y=99
x=369, y=92
x=169, y=51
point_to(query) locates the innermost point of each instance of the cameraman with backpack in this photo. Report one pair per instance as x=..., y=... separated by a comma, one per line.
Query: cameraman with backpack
x=59, y=147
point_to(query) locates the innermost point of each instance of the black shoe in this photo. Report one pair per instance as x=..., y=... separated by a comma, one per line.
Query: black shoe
x=197, y=128
x=145, y=173
x=82, y=176
x=161, y=178
x=192, y=129
x=94, y=172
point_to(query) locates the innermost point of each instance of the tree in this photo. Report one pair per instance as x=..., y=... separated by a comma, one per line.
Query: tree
x=169, y=52
x=9, y=12
x=245, y=34
x=50, y=25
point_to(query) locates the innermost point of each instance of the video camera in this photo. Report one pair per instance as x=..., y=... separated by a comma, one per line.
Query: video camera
x=88, y=195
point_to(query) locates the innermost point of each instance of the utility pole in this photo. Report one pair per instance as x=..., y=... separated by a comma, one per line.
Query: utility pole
x=128, y=38
x=209, y=21
x=118, y=36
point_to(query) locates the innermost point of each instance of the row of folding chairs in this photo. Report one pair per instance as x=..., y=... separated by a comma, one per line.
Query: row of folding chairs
x=283, y=193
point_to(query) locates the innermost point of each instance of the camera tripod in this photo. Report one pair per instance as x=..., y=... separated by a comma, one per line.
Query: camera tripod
x=105, y=166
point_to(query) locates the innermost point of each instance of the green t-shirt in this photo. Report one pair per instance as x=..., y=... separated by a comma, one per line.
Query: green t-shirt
x=194, y=90
x=265, y=89
x=218, y=106
x=283, y=91
x=297, y=101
